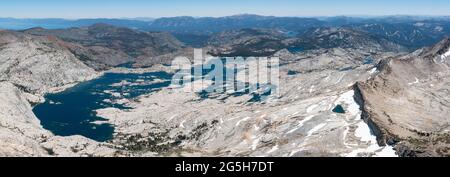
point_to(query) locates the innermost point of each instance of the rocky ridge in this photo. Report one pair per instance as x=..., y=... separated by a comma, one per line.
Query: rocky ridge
x=102, y=45
x=247, y=42
x=266, y=42
x=408, y=101
x=347, y=38
x=31, y=66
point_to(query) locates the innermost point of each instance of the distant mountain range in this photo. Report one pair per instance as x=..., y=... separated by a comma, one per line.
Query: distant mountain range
x=103, y=45
x=412, y=32
x=55, y=23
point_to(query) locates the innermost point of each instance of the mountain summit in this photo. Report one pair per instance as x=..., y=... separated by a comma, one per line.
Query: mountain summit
x=408, y=101
x=441, y=49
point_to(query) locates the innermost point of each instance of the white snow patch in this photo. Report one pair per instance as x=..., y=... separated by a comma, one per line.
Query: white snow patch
x=182, y=124
x=340, y=79
x=255, y=143
x=375, y=151
x=244, y=119
x=316, y=128
x=415, y=82
x=363, y=131
x=311, y=89
x=171, y=118
x=311, y=108
x=387, y=151
x=445, y=55
x=347, y=98
x=373, y=70
x=275, y=148
x=256, y=127
x=300, y=124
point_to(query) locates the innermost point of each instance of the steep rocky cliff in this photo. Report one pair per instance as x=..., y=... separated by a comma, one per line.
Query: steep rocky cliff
x=409, y=102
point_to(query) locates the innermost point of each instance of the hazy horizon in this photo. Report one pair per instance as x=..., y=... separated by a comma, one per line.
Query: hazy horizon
x=82, y=9
x=143, y=18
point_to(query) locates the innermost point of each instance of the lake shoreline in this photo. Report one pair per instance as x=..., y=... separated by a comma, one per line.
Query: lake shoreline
x=74, y=105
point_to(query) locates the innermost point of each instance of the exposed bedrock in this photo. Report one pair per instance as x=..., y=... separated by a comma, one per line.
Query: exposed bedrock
x=409, y=101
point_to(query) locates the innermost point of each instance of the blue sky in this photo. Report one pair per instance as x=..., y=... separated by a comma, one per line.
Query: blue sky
x=167, y=8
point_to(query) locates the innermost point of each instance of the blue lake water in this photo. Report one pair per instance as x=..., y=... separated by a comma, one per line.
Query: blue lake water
x=250, y=89
x=72, y=112
x=295, y=49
